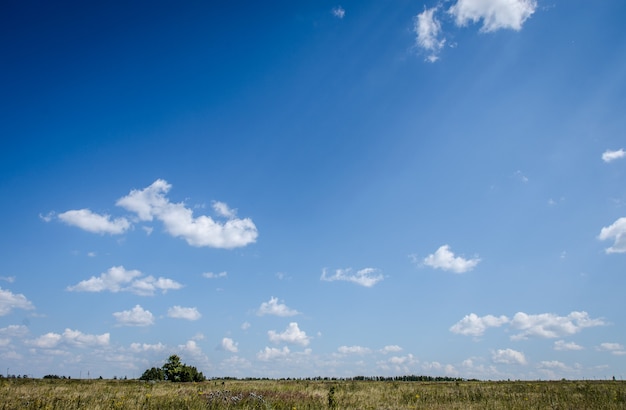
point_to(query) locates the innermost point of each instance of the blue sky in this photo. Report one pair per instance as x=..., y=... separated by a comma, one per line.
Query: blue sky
x=314, y=188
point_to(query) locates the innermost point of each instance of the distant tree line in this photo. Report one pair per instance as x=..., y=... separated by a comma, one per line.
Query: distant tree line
x=174, y=371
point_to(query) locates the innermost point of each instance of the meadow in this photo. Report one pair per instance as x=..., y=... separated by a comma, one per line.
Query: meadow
x=310, y=394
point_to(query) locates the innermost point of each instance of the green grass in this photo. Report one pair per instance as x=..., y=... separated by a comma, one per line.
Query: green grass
x=303, y=394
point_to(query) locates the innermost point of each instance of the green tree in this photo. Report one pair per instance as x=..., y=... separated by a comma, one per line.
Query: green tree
x=156, y=374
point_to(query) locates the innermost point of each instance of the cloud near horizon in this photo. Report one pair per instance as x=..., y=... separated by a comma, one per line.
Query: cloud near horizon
x=544, y=325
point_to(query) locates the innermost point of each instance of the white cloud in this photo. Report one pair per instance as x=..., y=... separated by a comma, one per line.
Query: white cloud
x=211, y=275
x=229, y=345
x=474, y=325
x=274, y=308
x=10, y=301
x=271, y=353
x=146, y=347
x=292, y=335
x=9, y=279
x=495, y=14
x=444, y=259
x=609, y=155
x=245, y=325
x=188, y=313
x=367, y=277
x=428, y=30
x=548, y=325
x=179, y=221
x=339, y=12
x=391, y=349
x=222, y=209
x=563, y=345
x=508, y=356
x=92, y=222
x=70, y=337
x=118, y=279
x=137, y=316
x=14, y=331
x=617, y=232
x=360, y=350
x=614, y=348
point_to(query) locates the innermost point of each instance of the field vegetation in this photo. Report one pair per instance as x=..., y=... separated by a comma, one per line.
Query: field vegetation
x=53, y=393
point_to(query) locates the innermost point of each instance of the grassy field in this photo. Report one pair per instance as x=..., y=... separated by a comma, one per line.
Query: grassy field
x=302, y=394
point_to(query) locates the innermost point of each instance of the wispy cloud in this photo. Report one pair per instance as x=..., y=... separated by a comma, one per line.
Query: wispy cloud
x=613, y=348
x=563, y=345
x=357, y=350
x=427, y=29
x=187, y=313
x=211, y=275
x=339, y=12
x=609, y=156
x=444, y=259
x=136, y=316
x=118, y=279
x=617, y=232
x=367, y=277
x=92, y=222
x=272, y=307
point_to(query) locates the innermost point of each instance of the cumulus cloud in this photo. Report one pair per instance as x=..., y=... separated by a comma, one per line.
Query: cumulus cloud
x=137, y=316
x=229, y=345
x=70, y=337
x=444, y=259
x=616, y=232
x=494, y=14
x=474, y=325
x=544, y=325
x=614, y=348
x=549, y=325
x=151, y=202
x=10, y=301
x=187, y=313
x=563, y=345
x=367, y=277
x=14, y=331
x=358, y=350
x=118, y=279
x=391, y=349
x=274, y=308
x=338, y=12
x=271, y=353
x=428, y=33
x=508, y=356
x=93, y=222
x=292, y=335
x=608, y=155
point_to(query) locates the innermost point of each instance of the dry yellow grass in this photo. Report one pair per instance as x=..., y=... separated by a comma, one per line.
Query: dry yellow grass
x=308, y=394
